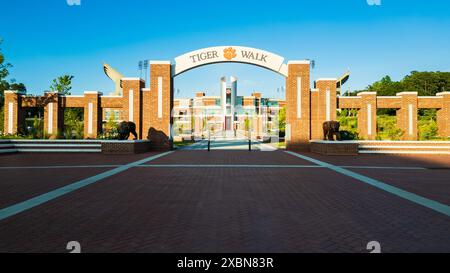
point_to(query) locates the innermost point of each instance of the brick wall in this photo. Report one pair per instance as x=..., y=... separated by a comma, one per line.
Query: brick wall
x=304, y=116
x=406, y=105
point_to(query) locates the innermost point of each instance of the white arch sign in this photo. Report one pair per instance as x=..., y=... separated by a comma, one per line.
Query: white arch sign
x=232, y=54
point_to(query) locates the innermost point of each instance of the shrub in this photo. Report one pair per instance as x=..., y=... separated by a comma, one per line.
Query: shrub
x=387, y=128
x=427, y=127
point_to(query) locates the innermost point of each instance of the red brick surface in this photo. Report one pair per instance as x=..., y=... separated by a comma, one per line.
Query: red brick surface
x=233, y=210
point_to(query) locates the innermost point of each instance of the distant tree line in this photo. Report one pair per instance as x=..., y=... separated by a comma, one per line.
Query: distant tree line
x=425, y=83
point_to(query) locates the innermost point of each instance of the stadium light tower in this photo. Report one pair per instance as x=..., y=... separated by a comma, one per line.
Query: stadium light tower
x=146, y=71
x=140, y=69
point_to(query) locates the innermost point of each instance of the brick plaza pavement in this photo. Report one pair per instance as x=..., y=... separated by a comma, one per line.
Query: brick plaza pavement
x=224, y=201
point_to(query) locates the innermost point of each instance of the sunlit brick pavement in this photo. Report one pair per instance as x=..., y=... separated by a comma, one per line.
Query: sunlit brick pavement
x=196, y=208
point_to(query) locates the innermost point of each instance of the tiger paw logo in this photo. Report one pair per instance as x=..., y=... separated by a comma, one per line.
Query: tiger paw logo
x=229, y=53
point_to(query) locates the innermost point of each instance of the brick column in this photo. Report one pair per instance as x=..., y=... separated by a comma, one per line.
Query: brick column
x=92, y=114
x=159, y=118
x=53, y=115
x=407, y=115
x=146, y=109
x=367, y=116
x=13, y=116
x=298, y=115
x=443, y=115
x=324, y=107
x=132, y=102
x=316, y=130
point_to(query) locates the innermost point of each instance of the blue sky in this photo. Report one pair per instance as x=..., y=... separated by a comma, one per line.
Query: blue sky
x=44, y=39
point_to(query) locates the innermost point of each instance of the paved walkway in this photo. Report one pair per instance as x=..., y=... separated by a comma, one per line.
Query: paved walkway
x=228, y=141
x=223, y=201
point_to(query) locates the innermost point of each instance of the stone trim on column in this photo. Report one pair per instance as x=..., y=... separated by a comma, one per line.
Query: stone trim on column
x=407, y=115
x=367, y=116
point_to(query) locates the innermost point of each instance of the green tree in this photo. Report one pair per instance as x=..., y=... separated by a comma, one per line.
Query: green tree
x=110, y=129
x=73, y=123
x=386, y=87
x=387, y=128
x=425, y=83
x=6, y=85
x=282, y=121
x=73, y=117
x=17, y=86
x=247, y=123
x=62, y=84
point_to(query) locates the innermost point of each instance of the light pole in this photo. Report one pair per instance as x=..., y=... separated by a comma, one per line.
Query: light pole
x=140, y=69
x=146, y=69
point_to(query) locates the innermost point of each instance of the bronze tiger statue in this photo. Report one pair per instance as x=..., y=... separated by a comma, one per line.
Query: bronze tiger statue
x=331, y=129
x=125, y=128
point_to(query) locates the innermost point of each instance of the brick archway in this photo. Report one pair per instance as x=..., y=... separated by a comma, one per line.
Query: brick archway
x=298, y=99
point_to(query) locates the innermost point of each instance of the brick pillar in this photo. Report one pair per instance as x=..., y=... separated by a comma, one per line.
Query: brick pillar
x=325, y=106
x=443, y=115
x=53, y=115
x=132, y=102
x=92, y=114
x=407, y=115
x=316, y=130
x=13, y=116
x=161, y=100
x=367, y=116
x=298, y=116
x=146, y=109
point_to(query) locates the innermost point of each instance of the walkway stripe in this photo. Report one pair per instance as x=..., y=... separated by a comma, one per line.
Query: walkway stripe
x=383, y=168
x=227, y=166
x=46, y=197
x=434, y=205
x=59, y=167
x=209, y=166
